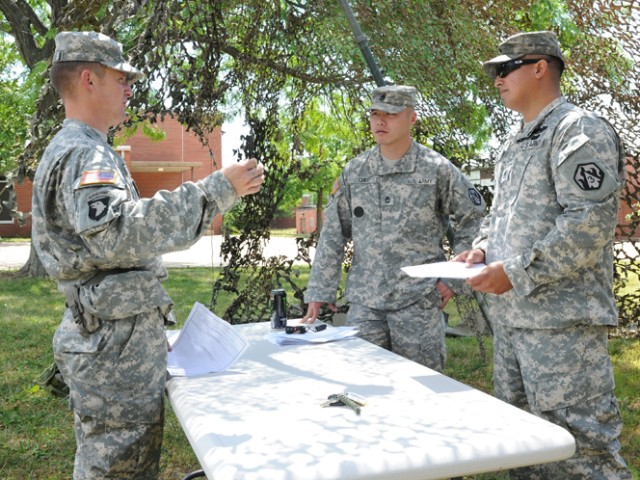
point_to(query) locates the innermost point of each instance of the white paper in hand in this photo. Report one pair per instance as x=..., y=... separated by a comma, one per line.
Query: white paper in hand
x=206, y=344
x=444, y=270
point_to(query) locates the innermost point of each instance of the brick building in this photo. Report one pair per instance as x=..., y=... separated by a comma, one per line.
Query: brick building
x=165, y=164
x=180, y=157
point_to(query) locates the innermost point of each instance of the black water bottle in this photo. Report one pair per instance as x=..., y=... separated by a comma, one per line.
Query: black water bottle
x=278, y=309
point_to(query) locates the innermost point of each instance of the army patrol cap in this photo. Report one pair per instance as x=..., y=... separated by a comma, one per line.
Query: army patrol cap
x=93, y=47
x=522, y=44
x=393, y=98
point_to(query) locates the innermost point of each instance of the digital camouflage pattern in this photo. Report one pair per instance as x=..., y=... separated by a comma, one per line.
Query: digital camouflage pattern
x=522, y=44
x=566, y=377
x=552, y=222
x=416, y=332
x=553, y=218
x=118, y=450
x=93, y=233
x=397, y=214
x=393, y=98
x=93, y=47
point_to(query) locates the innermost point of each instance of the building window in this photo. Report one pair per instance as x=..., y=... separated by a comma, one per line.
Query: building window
x=5, y=214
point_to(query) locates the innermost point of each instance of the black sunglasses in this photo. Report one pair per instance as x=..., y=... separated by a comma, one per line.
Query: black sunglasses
x=506, y=68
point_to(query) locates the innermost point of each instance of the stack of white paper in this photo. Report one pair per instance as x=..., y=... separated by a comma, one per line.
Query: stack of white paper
x=444, y=270
x=331, y=334
x=206, y=344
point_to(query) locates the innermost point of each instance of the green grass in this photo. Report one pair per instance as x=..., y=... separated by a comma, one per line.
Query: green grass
x=286, y=232
x=36, y=435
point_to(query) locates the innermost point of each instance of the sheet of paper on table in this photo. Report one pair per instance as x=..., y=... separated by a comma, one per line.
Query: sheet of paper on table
x=330, y=334
x=444, y=270
x=205, y=344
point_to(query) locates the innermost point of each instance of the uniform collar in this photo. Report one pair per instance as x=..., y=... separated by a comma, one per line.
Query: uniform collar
x=90, y=131
x=528, y=128
x=406, y=164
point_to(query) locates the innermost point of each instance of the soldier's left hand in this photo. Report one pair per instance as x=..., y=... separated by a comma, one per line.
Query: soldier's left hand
x=445, y=292
x=492, y=279
x=469, y=257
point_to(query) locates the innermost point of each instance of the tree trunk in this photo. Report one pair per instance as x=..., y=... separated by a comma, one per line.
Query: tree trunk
x=34, y=267
x=319, y=209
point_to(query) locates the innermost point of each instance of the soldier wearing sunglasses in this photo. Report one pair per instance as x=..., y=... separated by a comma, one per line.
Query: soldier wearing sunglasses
x=547, y=243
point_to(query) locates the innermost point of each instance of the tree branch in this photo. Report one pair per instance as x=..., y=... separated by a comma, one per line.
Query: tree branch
x=23, y=21
x=323, y=80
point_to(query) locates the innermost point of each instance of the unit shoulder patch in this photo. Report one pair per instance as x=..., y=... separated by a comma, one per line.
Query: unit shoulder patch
x=474, y=196
x=98, y=207
x=588, y=176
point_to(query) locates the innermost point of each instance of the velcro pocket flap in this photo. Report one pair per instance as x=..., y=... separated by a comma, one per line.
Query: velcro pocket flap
x=572, y=388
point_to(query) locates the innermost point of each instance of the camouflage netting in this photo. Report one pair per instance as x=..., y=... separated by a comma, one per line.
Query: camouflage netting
x=272, y=59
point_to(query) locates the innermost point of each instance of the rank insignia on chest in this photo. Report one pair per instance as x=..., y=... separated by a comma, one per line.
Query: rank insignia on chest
x=531, y=140
x=98, y=177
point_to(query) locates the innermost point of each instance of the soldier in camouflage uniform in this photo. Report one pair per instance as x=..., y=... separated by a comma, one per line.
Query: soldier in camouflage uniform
x=102, y=243
x=547, y=243
x=395, y=202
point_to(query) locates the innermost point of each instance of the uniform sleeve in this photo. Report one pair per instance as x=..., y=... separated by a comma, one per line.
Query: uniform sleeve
x=327, y=262
x=120, y=229
x=467, y=209
x=481, y=239
x=588, y=171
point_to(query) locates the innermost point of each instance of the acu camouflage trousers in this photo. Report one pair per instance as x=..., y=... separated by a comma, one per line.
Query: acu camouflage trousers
x=416, y=332
x=566, y=377
x=116, y=377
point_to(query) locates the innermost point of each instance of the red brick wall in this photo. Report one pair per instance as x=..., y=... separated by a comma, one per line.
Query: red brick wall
x=178, y=146
x=283, y=222
x=23, y=194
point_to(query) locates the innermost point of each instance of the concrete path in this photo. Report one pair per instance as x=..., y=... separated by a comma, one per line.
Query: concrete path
x=205, y=253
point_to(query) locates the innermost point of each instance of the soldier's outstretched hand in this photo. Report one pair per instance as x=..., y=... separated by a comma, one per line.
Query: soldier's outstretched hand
x=246, y=176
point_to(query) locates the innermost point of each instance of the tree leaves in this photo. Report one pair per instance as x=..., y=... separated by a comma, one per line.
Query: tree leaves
x=277, y=58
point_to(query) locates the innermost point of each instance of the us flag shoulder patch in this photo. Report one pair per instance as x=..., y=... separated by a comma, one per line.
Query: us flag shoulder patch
x=336, y=186
x=98, y=177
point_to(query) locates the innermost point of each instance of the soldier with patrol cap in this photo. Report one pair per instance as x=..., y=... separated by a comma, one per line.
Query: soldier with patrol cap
x=395, y=201
x=548, y=247
x=103, y=245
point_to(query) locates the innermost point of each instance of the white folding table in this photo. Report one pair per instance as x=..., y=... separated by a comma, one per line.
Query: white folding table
x=263, y=420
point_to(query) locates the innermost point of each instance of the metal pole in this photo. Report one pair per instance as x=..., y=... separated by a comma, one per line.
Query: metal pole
x=361, y=40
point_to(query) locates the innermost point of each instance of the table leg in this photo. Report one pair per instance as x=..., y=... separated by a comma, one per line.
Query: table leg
x=196, y=474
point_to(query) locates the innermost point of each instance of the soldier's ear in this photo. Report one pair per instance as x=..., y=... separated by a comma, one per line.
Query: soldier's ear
x=86, y=78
